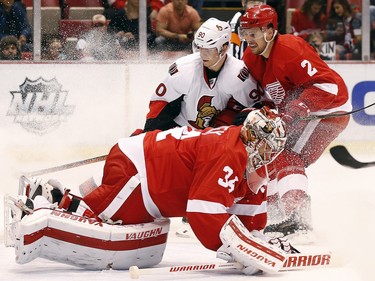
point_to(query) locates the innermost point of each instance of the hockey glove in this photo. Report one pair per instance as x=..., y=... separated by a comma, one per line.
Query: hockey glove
x=52, y=190
x=248, y=248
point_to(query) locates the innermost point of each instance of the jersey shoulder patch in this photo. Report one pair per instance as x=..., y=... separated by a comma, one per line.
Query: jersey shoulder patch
x=244, y=74
x=173, y=69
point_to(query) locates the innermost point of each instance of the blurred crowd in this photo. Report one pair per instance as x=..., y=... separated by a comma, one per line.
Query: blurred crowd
x=332, y=27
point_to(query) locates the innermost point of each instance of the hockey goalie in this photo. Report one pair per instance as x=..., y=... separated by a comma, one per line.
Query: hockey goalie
x=214, y=177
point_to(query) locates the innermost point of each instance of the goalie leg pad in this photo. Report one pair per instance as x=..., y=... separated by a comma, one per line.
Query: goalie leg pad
x=71, y=239
x=249, y=250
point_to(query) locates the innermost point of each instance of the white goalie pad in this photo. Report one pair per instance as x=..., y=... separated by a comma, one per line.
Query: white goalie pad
x=249, y=250
x=71, y=239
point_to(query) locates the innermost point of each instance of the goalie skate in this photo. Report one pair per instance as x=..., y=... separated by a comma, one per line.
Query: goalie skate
x=293, y=228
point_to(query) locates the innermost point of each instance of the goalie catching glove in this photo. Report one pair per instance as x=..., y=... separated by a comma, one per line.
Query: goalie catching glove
x=251, y=249
x=52, y=190
x=34, y=194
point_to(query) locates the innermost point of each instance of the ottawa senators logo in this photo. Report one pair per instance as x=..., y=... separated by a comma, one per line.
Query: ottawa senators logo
x=206, y=113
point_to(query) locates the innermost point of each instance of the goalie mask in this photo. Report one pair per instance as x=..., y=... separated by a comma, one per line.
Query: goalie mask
x=263, y=134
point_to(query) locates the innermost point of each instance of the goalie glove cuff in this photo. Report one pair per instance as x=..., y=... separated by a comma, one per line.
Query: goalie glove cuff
x=223, y=253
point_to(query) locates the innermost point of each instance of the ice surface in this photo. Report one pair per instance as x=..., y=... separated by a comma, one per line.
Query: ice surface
x=343, y=214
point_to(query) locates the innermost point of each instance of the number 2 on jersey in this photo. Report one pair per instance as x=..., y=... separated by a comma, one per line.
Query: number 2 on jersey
x=310, y=70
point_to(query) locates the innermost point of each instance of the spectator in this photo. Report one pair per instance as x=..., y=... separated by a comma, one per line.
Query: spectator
x=98, y=43
x=309, y=18
x=197, y=5
x=280, y=7
x=53, y=48
x=10, y=48
x=175, y=25
x=155, y=6
x=315, y=39
x=344, y=27
x=13, y=21
x=125, y=24
x=237, y=45
x=112, y=7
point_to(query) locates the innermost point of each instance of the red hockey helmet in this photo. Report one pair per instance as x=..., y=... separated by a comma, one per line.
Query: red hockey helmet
x=259, y=16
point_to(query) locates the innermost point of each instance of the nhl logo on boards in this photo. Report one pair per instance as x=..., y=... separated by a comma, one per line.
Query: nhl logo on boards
x=39, y=105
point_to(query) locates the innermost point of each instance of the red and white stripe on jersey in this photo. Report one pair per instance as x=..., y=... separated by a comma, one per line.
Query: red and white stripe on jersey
x=182, y=172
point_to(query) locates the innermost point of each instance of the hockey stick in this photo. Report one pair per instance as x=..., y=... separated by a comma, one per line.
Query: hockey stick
x=293, y=262
x=67, y=166
x=343, y=157
x=332, y=115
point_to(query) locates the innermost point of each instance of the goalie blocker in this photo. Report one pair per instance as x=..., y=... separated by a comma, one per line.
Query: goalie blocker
x=68, y=238
x=252, y=252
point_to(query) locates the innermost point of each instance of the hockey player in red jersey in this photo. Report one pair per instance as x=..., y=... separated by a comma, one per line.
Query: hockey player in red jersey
x=300, y=84
x=215, y=177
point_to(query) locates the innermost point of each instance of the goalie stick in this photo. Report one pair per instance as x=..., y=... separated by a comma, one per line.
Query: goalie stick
x=66, y=166
x=341, y=154
x=293, y=262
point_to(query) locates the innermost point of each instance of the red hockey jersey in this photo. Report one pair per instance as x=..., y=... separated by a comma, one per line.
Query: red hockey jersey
x=294, y=70
x=181, y=172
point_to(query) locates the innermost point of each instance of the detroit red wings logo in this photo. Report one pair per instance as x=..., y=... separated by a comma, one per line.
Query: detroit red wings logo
x=276, y=91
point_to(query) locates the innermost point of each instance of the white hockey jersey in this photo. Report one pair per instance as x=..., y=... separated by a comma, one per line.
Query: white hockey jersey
x=187, y=97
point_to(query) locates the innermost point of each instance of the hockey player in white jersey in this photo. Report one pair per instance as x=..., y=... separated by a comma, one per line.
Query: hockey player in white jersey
x=204, y=89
